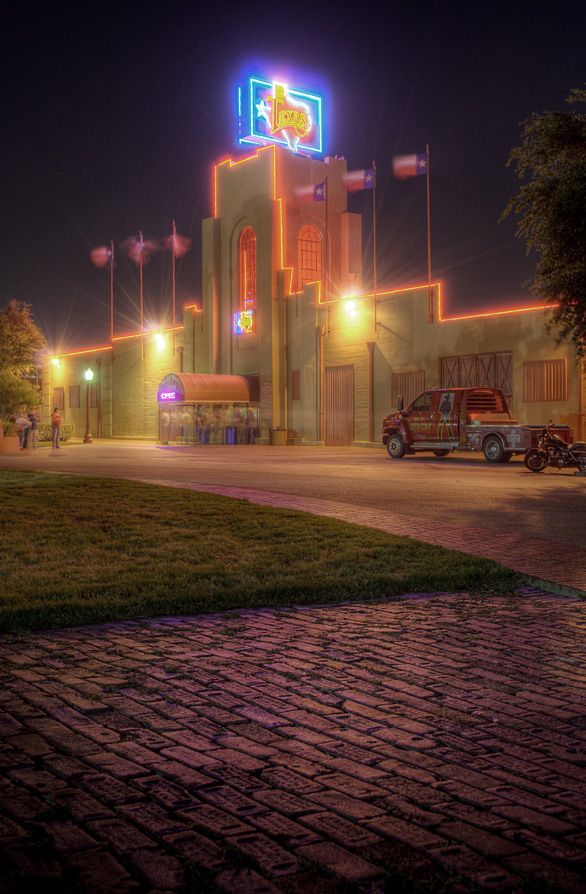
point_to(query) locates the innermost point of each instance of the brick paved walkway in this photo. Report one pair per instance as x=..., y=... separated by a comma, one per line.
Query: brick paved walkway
x=535, y=556
x=434, y=741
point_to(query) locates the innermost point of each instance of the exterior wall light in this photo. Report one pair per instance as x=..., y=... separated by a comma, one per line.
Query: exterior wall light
x=160, y=341
x=88, y=375
x=55, y=361
x=351, y=308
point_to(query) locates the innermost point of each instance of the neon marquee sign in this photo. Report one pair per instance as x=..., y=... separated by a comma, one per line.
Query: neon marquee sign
x=244, y=322
x=272, y=112
x=170, y=389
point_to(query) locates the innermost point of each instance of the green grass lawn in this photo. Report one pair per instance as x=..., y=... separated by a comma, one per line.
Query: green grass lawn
x=78, y=549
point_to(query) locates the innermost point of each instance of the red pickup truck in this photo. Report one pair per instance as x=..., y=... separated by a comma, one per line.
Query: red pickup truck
x=446, y=419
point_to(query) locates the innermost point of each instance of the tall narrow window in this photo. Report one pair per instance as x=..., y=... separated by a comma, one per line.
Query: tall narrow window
x=309, y=255
x=247, y=262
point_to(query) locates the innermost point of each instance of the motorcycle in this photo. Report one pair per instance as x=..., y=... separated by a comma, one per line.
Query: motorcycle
x=553, y=451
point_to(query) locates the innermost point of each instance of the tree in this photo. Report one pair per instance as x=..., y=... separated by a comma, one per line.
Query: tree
x=21, y=340
x=551, y=207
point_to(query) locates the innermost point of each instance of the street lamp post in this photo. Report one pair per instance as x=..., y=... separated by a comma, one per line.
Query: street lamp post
x=88, y=376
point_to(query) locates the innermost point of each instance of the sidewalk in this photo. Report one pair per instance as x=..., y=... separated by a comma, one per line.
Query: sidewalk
x=432, y=740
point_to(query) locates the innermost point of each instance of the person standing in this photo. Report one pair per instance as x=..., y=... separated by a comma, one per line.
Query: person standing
x=34, y=432
x=204, y=427
x=250, y=423
x=23, y=426
x=56, y=427
x=165, y=426
x=238, y=423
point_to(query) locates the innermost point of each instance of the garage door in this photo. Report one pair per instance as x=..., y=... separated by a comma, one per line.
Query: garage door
x=339, y=405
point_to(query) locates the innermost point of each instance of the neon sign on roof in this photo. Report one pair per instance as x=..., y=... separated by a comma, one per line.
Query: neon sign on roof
x=273, y=112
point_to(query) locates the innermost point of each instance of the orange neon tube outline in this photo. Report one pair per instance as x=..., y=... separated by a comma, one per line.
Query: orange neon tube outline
x=232, y=164
x=381, y=294
x=496, y=313
x=116, y=338
x=147, y=332
x=83, y=351
x=449, y=318
x=277, y=198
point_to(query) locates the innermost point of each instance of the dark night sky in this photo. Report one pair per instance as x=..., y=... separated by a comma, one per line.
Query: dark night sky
x=112, y=117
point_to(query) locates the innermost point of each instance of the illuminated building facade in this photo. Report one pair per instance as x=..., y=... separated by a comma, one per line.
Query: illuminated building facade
x=282, y=307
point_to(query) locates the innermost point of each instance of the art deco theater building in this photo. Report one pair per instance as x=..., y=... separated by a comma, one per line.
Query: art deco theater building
x=284, y=335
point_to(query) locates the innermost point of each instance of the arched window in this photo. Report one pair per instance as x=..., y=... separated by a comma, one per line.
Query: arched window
x=309, y=255
x=247, y=264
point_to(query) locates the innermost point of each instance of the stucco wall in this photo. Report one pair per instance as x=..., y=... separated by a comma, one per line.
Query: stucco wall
x=128, y=385
x=405, y=340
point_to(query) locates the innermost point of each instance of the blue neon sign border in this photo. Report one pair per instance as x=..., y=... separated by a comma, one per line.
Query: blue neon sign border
x=256, y=138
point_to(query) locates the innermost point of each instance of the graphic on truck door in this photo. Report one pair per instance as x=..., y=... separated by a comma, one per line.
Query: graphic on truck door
x=422, y=418
x=445, y=429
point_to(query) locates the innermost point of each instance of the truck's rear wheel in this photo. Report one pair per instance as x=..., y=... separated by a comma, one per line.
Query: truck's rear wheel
x=493, y=449
x=440, y=452
x=395, y=446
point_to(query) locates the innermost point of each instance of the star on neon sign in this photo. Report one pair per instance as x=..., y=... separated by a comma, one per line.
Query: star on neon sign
x=264, y=110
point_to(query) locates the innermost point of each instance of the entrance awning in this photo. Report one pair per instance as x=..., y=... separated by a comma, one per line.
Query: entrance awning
x=200, y=387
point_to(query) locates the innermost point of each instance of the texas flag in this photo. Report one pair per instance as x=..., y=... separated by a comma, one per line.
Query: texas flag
x=315, y=193
x=356, y=180
x=409, y=166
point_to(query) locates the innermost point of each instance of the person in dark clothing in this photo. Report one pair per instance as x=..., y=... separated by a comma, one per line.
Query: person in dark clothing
x=34, y=429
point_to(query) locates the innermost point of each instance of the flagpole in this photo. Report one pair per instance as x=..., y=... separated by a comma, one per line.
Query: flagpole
x=140, y=244
x=140, y=247
x=328, y=259
x=112, y=290
x=430, y=290
x=374, y=272
x=174, y=283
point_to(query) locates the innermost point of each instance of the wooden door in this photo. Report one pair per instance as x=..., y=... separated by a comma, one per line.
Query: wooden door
x=339, y=405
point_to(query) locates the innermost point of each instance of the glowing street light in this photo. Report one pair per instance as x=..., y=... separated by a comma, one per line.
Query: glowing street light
x=88, y=376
